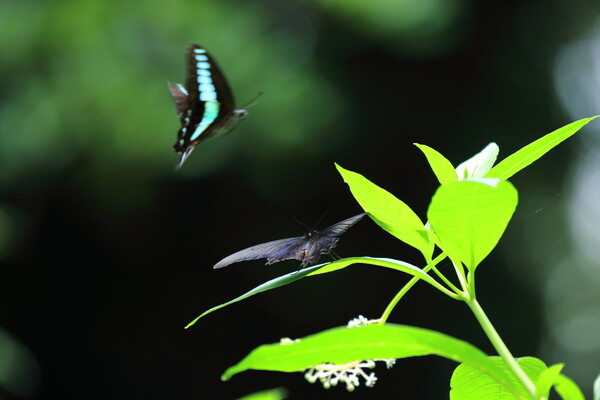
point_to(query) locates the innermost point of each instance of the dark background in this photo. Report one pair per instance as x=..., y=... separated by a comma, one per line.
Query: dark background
x=106, y=253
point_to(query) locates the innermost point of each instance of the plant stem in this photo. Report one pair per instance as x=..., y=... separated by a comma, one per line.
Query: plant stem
x=460, y=273
x=499, y=345
x=406, y=288
x=445, y=280
x=399, y=295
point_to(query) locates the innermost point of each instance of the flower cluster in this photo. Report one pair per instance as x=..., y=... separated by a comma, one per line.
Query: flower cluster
x=286, y=340
x=331, y=374
x=361, y=321
x=350, y=373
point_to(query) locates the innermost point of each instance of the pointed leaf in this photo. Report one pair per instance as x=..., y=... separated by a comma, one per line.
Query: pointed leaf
x=381, y=262
x=469, y=217
x=272, y=284
x=567, y=389
x=547, y=378
x=530, y=153
x=478, y=165
x=387, y=211
x=372, y=342
x=468, y=383
x=442, y=168
x=326, y=268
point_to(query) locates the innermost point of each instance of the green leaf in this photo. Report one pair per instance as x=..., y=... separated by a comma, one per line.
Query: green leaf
x=272, y=284
x=442, y=168
x=468, y=383
x=567, y=389
x=469, y=217
x=372, y=342
x=381, y=262
x=546, y=379
x=272, y=394
x=387, y=211
x=478, y=165
x=326, y=268
x=530, y=153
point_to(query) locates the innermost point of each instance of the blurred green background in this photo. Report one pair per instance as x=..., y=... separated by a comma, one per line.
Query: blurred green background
x=106, y=253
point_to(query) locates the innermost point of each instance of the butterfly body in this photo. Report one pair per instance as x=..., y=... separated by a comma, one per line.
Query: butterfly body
x=307, y=249
x=205, y=104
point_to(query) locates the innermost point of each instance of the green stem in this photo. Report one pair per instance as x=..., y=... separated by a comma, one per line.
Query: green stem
x=499, y=345
x=406, y=288
x=460, y=273
x=445, y=280
x=471, y=283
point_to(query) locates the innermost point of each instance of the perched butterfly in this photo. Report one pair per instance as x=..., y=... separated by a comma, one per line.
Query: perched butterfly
x=204, y=105
x=307, y=248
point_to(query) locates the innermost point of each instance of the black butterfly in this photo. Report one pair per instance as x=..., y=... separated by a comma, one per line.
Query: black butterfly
x=204, y=105
x=307, y=248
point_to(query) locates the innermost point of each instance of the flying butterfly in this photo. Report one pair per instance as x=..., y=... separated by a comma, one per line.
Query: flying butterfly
x=307, y=248
x=205, y=105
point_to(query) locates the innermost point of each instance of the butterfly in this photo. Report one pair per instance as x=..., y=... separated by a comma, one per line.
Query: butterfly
x=307, y=248
x=205, y=104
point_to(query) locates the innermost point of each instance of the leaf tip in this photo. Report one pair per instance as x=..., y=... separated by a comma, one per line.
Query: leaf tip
x=225, y=377
x=343, y=172
x=193, y=322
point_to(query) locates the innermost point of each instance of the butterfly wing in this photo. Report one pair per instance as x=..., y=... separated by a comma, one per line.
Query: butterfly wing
x=306, y=248
x=180, y=95
x=337, y=229
x=277, y=250
x=200, y=64
x=208, y=101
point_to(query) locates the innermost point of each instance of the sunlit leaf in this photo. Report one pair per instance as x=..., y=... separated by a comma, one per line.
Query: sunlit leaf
x=564, y=386
x=469, y=217
x=380, y=262
x=468, y=383
x=547, y=378
x=567, y=389
x=272, y=284
x=323, y=269
x=442, y=168
x=390, y=213
x=530, y=153
x=372, y=342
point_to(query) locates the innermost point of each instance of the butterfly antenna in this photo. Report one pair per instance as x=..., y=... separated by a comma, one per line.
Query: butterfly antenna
x=300, y=222
x=322, y=216
x=254, y=101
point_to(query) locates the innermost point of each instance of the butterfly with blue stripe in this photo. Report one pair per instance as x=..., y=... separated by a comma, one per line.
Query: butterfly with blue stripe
x=205, y=104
